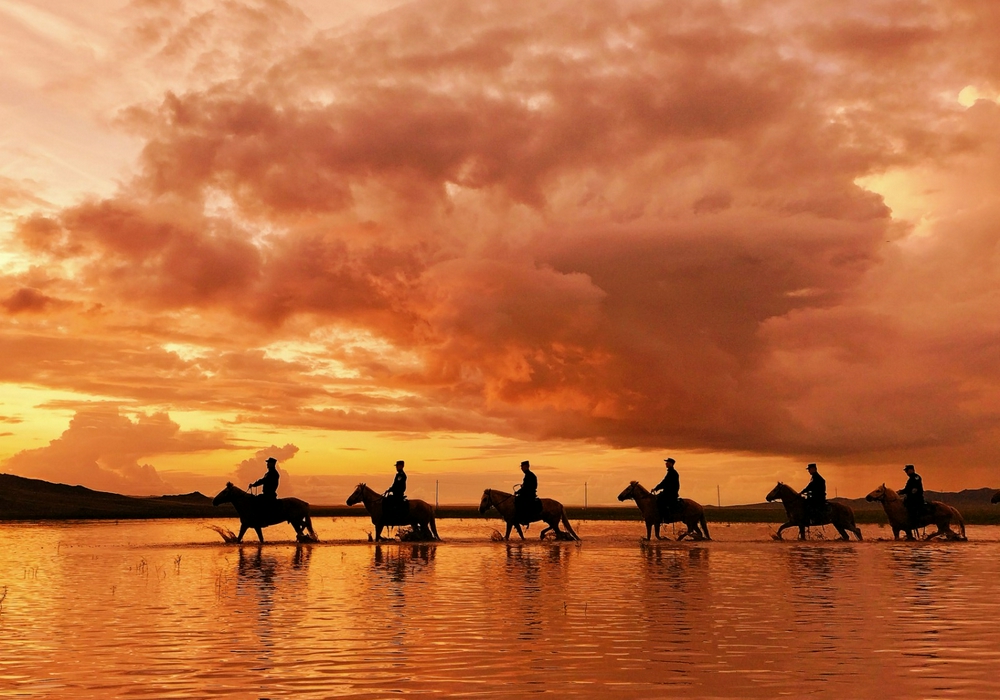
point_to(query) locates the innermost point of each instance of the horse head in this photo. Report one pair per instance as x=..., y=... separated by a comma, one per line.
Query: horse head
x=486, y=502
x=775, y=493
x=358, y=495
x=225, y=495
x=878, y=494
x=628, y=492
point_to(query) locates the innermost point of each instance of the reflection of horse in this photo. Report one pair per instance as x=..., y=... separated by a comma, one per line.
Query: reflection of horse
x=553, y=513
x=257, y=513
x=938, y=513
x=839, y=515
x=420, y=518
x=687, y=511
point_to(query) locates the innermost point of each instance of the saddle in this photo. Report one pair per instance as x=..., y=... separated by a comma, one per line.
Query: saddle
x=528, y=510
x=396, y=511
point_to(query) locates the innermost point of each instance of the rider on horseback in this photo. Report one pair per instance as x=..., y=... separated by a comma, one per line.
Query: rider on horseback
x=269, y=481
x=395, y=504
x=526, y=497
x=815, y=494
x=669, y=489
x=913, y=495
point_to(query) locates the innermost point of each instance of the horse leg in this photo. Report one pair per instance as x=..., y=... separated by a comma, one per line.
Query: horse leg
x=243, y=531
x=549, y=526
x=510, y=526
x=432, y=525
x=569, y=528
x=260, y=533
x=519, y=530
x=787, y=525
x=309, y=527
x=378, y=532
x=843, y=532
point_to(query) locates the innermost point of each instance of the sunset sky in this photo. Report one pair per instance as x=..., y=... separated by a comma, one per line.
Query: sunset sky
x=592, y=234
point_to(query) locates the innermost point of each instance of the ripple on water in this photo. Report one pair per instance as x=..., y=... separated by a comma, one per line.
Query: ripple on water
x=93, y=613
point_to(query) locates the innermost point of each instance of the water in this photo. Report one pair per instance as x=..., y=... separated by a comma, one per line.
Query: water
x=164, y=609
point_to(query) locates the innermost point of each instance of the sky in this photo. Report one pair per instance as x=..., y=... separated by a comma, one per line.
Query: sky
x=748, y=235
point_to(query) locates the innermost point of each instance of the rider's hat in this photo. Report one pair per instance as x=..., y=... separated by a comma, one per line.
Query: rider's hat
x=670, y=460
x=525, y=463
x=908, y=467
x=399, y=462
x=811, y=465
x=271, y=460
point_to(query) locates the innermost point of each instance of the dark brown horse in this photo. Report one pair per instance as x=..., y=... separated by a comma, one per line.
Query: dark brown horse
x=939, y=514
x=552, y=514
x=839, y=515
x=687, y=511
x=420, y=517
x=257, y=512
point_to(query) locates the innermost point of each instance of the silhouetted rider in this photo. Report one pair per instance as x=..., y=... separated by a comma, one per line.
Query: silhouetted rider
x=669, y=489
x=526, y=496
x=913, y=495
x=815, y=493
x=395, y=496
x=269, y=482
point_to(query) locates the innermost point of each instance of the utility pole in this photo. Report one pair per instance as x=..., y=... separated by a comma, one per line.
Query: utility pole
x=718, y=494
x=585, y=495
x=436, y=490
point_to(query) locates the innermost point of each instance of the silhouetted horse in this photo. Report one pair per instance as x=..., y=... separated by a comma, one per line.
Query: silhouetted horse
x=256, y=512
x=937, y=513
x=420, y=517
x=687, y=511
x=552, y=514
x=839, y=515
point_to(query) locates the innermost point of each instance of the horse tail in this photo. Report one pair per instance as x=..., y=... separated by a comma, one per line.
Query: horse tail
x=704, y=526
x=961, y=522
x=569, y=528
x=432, y=526
x=309, y=526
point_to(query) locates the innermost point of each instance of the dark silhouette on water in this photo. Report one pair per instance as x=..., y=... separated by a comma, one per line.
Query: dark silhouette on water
x=419, y=515
x=668, y=490
x=937, y=513
x=258, y=513
x=269, y=481
x=913, y=494
x=815, y=495
x=395, y=506
x=689, y=512
x=552, y=513
x=841, y=516
x=526, y=503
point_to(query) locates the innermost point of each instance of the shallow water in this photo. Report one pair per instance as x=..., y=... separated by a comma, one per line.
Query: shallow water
x=164, y=609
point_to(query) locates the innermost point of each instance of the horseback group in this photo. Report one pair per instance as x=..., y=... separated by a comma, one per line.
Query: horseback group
x=907, y=510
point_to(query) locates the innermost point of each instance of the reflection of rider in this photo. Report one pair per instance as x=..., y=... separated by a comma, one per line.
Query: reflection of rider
x=815, y=493
x=913, y=495
x=269, y=481
x=525, y=497
x=395, y=496
x=669, y=489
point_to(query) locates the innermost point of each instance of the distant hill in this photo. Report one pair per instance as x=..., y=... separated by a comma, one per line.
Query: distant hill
x=33, y=499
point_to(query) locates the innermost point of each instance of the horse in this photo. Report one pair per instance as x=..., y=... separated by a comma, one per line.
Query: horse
x=552, y=514
x=420, y=518
x=687, y=511
x=839, y=515
x=939, y=514
x=996, y=498
x=256, y=512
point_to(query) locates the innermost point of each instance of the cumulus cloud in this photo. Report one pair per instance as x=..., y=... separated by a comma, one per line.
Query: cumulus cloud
x=646, y=225
x=102, y=449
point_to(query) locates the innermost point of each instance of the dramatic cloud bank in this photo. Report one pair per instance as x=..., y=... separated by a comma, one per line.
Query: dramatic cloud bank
x=740, y=227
